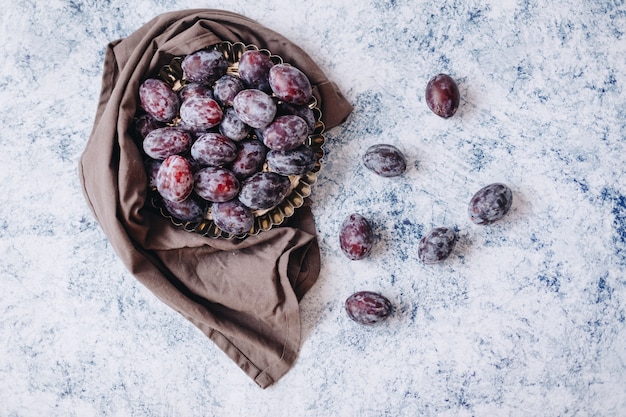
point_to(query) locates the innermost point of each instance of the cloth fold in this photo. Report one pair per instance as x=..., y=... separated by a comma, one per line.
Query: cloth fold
x=242, y=294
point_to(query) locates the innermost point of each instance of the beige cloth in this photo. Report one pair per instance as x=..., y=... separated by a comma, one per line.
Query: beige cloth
x=243, y=294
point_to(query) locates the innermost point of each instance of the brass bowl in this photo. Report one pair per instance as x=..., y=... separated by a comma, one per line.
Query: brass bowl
x=301, y=185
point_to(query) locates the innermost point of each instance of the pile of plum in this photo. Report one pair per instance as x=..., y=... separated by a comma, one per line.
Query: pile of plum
x=356, y=237
x=227, y=140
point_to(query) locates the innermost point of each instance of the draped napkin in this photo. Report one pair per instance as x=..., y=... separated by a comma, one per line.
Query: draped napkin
x=243, y=294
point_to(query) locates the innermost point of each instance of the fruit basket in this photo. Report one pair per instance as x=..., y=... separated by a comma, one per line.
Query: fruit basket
x=299, y=185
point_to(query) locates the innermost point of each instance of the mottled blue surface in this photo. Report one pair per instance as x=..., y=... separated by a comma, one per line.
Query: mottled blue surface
x=526, y=318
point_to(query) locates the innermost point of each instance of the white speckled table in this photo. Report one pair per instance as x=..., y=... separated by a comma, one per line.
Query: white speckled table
x=526, y=318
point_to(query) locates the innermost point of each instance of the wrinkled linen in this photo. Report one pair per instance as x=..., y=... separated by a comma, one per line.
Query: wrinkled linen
x=242, y=294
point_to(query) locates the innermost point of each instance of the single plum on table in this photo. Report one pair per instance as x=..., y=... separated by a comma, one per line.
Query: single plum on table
x=356, y=237
x=442, y=95
x=385, y=160
x=490, y=204
x=368, y=307
x=437, y=245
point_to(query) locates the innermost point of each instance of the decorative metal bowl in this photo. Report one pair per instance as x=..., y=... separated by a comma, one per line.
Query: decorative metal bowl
x=264, y=220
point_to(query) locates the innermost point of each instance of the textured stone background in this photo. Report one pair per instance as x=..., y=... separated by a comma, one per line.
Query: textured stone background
x=526, y=318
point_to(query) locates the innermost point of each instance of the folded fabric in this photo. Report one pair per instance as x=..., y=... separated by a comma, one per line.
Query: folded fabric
x=242, y=293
